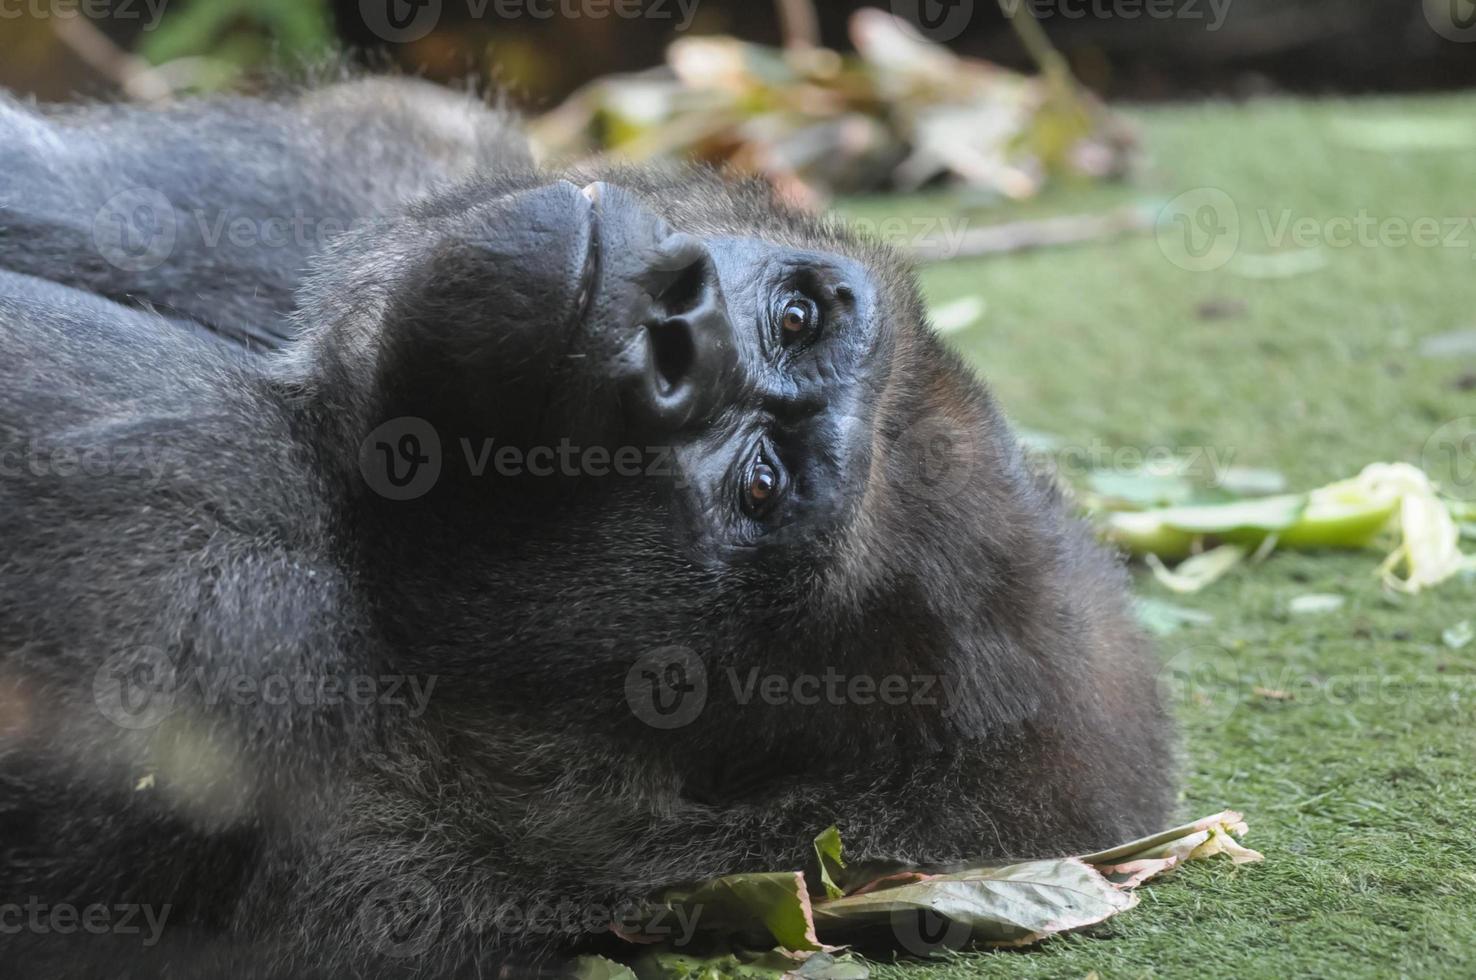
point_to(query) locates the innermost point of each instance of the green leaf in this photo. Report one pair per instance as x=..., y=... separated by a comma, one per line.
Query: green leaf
x=774, y=965
x=747, y=905
x=828, y=854
x=1264, y=515
x=599, y=968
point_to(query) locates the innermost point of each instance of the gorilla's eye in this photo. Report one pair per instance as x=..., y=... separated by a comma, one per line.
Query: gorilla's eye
x=798, y=320
x=762, y=484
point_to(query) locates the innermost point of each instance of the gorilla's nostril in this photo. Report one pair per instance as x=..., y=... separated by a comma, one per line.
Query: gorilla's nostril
x=672, y=353
x=684, y=293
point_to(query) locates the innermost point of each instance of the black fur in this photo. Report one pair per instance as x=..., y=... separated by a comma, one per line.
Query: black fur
x=226, y=529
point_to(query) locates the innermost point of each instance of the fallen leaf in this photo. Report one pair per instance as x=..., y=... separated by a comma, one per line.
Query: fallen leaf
x=1198, y=572
x=828, y=856
x=1163, y=618
x=746, y=905
x=1246, y=481
x=958, y=315
x=1012, y=905
x=1454, y=343
x=1279, y=265
x=1314, y=604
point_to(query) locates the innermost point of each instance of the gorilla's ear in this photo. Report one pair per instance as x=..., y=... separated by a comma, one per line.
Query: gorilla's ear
x=476, y=326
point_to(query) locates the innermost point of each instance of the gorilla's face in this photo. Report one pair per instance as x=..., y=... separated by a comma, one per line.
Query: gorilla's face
x=721, y=433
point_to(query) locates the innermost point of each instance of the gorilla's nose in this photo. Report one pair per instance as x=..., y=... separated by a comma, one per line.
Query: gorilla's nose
x=688, y=337
x=660, y=294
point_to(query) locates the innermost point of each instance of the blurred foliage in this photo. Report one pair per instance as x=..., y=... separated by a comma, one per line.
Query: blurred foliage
x=903, y=112
x=224, y=38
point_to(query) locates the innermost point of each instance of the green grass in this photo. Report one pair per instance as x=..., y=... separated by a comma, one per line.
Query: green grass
x=1360, y=789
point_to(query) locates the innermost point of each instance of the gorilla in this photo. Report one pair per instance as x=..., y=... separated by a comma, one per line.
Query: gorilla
x=414, y=557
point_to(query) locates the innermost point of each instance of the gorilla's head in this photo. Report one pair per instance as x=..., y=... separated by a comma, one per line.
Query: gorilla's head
x=620, y=429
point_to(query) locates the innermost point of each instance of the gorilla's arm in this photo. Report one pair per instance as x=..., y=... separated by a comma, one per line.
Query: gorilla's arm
x=210, y=211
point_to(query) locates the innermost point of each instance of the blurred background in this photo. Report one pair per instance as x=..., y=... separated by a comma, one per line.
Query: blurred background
x=1122, y=49
x=823, y=97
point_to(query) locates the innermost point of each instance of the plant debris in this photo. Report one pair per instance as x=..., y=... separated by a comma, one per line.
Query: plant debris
x=768, y=926
x=902, y=113
x=1163, y=517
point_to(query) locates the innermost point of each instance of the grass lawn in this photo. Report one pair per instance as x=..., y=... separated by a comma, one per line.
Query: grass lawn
x=1361, y=788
